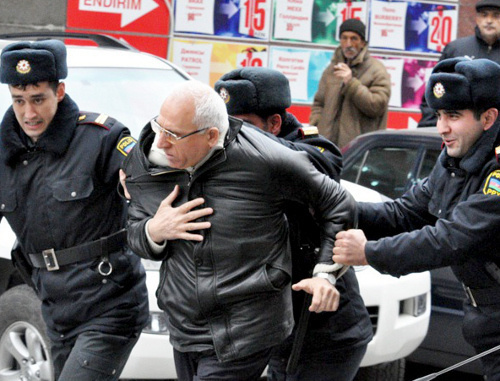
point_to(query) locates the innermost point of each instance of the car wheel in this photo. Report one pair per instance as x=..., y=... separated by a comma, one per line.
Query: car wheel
x=24, y=345
x=389, y=371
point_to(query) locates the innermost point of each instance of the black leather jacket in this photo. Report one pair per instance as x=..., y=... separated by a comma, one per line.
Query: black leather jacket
x=449, y=219
x=231, y=292
x=60, y=193
x=350, y=325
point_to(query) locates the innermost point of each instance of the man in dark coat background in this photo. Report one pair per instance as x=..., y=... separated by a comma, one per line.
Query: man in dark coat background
x=483, y=44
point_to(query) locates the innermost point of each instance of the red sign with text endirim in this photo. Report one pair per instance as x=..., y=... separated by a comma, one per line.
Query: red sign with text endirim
x=140, y=16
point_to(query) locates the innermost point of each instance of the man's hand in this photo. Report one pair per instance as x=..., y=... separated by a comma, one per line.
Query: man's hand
x=175, y=223
x=343, y=72
x=350, y=247
x=325, y=295
x=123, y=176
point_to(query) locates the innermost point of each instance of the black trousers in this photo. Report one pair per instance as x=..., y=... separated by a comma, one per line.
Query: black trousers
x=481, y=329
x=203, y=366
x=92, y=356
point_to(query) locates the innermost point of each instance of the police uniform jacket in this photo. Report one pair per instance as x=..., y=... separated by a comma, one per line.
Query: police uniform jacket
x=449, y=219
x=325, y=155
x=60, y=193
x=231, y=292
x=350, y=325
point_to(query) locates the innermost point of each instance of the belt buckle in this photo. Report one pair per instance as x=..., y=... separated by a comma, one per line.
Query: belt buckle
x=50, y=259
x=468, y=291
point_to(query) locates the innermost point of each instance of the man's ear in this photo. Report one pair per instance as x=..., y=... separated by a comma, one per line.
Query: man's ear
x=213, y=136
x=60, y=91
x=274, y=124
x=489, y=117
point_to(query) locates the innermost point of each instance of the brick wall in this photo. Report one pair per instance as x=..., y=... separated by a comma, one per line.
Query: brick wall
x=466, y=18
x=32, y=15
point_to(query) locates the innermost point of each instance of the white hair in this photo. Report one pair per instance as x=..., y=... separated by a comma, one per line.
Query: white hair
x=210, y=110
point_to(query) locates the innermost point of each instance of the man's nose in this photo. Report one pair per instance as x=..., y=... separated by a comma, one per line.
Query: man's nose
x=30, y=111
x=442, y=126
x=163, y=141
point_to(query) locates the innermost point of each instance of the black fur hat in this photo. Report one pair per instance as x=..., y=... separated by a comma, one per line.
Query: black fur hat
x=27, y=62
x=254, y=89
x=464, y=84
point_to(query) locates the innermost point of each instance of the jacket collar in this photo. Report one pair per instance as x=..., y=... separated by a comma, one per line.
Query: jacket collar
x=359, y=59
x=481, y=40
x=147, y=136
x=56, y=139
x=289, y=127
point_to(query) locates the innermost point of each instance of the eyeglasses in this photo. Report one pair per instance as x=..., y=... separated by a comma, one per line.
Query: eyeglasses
x=170, y=136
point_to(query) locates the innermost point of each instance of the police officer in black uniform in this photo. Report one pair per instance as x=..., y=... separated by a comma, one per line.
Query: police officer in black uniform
x=335, y=342
x=59, y=171
x=451, y=218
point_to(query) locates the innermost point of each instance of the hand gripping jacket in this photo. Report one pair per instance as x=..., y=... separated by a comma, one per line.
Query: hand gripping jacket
x=230, y=293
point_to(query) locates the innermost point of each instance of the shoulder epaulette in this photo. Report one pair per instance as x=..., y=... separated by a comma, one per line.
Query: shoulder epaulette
x=101, y=120
x=309, y=131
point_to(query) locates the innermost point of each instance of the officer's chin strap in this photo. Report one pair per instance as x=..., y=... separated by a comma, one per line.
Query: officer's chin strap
x=432, y=376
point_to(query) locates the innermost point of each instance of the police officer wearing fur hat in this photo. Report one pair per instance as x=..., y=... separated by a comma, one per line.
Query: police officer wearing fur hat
x=59, y=170
x=260, y=97
x=354, y=89
x=335, y=342
x=484, y=43
x=451, y=218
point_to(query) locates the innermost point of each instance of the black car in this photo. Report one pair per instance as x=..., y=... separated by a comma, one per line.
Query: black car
x=391, y=161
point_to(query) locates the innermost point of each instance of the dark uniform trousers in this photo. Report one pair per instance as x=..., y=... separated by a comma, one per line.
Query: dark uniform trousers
x=92, y=356
x=480, y=329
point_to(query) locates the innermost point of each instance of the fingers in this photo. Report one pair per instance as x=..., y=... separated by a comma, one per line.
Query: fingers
x=325, y=299
x=325, y=295
x=349, y=248
x=123, y=176
x=170, y=223
x=172, y=196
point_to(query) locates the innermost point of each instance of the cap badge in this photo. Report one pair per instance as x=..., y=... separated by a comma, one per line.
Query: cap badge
x=23, y=67
x=438, y=90
x=224, y=94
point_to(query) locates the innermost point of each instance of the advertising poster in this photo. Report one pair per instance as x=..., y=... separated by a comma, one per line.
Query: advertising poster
x=395, y=69
x=194, y=16
x=387, y=24
x=408, y=79
x=224, y=18
x=293, y=19
x=207, y=61
x=295, y=66
x=314, y=21
x=423, y=28
x=302, y=67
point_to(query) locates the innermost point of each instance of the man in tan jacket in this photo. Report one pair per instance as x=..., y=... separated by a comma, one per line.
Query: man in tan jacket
x=354, y=90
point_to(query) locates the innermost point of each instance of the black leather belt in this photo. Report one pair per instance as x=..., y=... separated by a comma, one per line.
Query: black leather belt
x=483, y=296
x=53, y=259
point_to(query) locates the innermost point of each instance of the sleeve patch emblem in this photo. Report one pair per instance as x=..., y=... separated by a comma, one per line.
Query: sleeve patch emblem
x=126, y=144
x=492, y=185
